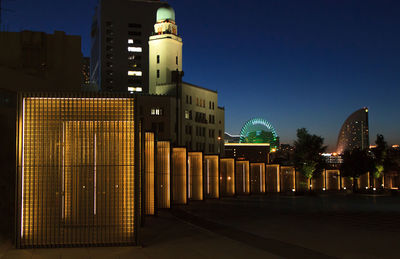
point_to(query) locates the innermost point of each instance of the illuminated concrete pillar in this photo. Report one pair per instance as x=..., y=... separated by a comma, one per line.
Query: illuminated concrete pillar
x=179, y=175
x=242, y=177
x=164, y=174
x=227, y=176
x=195, y=176
x=211, y=176
x=257, y=178
x=149, y=173
x=272, y=178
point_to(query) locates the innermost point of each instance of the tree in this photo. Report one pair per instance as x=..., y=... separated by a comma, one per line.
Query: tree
x=357, y=162
x=380, y=153
x=307, y=153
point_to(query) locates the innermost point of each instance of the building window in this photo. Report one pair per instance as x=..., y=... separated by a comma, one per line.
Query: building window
x=135, y=49
x=190, y=99
x=135, y=89
x=158, y=73
x=158, y=59
x=134, y=33
x=177, y=60
x=187, y=115
x=156, y=111
x=135, y=73
x=134, y=25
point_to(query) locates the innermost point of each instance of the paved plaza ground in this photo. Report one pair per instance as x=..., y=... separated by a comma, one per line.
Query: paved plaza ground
x=341, y=226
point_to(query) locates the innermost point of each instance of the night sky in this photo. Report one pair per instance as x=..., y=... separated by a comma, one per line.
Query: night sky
x=295, y=63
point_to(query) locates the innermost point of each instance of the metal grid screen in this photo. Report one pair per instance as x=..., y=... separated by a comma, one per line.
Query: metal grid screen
x=149, y=173
x=75, y=171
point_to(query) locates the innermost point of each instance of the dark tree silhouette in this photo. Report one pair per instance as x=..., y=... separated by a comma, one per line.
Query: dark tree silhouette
x=356, y=163
x=307, y=153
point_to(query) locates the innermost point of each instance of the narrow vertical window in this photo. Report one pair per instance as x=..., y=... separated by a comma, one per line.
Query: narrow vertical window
x=158, y=73
x=177, y=60
x=158, y=59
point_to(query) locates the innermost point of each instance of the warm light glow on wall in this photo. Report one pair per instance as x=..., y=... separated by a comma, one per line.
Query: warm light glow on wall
x=179, y=179
x=211, y=178
x=257, y=177
x=227, y=174
x=272, y=178
x=76, y=171
x=163, y=174
x=287, y=177
x=319, y=182
x=364, y=182
x=149, y=173
x=242, y=177
x=195, y=175
x=333, y=180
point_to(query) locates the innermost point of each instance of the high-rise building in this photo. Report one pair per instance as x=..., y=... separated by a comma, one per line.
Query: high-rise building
x=37, y=61
x=120, y=52
x=184, y=113
x=354, y=132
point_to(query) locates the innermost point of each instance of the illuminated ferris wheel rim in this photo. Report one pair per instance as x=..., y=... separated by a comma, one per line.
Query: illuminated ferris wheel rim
x=256, y=121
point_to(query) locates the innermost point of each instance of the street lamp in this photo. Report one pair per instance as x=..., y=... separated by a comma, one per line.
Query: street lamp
x=219, y=145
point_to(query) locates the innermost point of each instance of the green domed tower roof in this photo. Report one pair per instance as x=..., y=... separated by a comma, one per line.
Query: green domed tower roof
x=165, y=13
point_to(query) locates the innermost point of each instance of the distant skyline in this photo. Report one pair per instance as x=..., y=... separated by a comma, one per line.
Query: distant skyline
x=295, y=63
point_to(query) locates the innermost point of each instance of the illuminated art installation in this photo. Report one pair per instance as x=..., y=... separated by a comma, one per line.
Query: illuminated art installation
x=76, y=170
x=259, y=131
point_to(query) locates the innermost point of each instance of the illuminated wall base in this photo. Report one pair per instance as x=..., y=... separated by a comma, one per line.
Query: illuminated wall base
x=179, y=176
x=333, y=180
x=257, y=178
x=287, y=179
x=195, y=176
x=227, y=176
x=319, y=182
x=163, y=174
x=242, y=177
x=272, y=178
x=211, y=176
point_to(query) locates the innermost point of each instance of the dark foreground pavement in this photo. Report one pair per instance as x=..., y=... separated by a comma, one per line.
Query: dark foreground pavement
x=305, y=226
x=259, y=227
